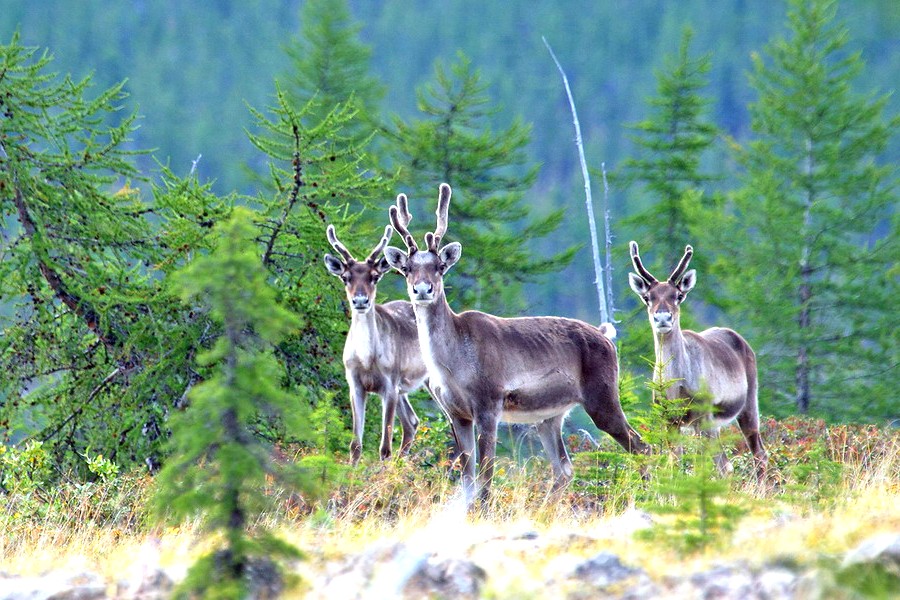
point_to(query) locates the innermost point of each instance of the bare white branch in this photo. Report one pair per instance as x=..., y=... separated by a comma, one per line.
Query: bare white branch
x=605, y=314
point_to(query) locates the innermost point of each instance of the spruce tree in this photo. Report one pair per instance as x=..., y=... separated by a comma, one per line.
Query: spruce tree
x=672, y=143
x=810, y=254
x=330, y=67
x=218, y=467
x=454, y=142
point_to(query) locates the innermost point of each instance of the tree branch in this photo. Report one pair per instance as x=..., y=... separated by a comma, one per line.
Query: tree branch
x=598, y=268
x=79, y=306
x=292, y=199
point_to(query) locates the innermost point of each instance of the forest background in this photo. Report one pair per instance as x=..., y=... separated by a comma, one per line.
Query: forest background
x=195, y=75
x=170, y=340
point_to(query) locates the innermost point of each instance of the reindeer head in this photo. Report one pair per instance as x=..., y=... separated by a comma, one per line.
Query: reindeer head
x=359, y=277
x=424, y=269
x=662, y=298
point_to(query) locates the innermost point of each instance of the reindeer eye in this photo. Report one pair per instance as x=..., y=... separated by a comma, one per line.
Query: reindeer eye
x=646, y=299
x=345, y=277
x=679, y=297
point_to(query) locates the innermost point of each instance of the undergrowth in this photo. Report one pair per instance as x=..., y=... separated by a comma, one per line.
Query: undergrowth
x=818, y=472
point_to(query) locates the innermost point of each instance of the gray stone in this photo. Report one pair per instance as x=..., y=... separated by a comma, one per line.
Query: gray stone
x=725, y=582
x=605, y=576
x=81, y=592
x=883, y=550
x=53, y=586
x=155, y=585
x=776, y=583
x=604, y=569
x=445, y=578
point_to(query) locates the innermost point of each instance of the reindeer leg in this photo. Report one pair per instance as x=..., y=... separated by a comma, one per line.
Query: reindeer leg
x=358, y=409
x=723, y=463
x=487, y=451
x=465, y=438
x=602, y=406
x=408, y=420
x=748, y=421
x=550, y=434
x=388, y=410
x=456, y=446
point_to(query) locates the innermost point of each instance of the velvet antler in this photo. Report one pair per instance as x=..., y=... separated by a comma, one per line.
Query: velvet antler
x=400, y=218
x=338, y=246
x=638, y=265
x=443, y=209
x=675, y=277
x=388, y=232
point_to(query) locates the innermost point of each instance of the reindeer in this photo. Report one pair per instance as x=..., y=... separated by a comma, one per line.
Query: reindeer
x=484, y=369
x=715, y=366
x=381, y=354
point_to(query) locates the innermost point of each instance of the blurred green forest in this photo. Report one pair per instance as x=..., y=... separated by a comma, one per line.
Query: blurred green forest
x=201, y=79
x=192, y=68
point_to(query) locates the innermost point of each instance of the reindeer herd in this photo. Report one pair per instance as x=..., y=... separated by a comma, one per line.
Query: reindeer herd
x=482, y=369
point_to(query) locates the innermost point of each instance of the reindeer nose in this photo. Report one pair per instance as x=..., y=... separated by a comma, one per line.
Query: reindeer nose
x=360, y=302
x=662, y=319
x=423, y=288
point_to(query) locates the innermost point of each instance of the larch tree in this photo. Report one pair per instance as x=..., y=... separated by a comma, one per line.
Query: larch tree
x=454, y=142
x=218, y=467
x=84, y=303
x=811, y=251
x=316, y=176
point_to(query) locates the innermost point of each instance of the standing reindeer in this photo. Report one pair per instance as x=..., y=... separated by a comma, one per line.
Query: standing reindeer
x=714, y=366
x=381, y=354
x=484, y=369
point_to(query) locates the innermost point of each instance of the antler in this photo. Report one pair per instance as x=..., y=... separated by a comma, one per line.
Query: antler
x=682, y=265
x=388, y=232
x=638, y=265
x=337, y=245
x=443, y=208
x=400, y=218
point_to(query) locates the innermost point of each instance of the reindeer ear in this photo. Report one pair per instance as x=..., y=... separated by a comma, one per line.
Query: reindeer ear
x=688, y=281
x=449, y=254
x=334, y=265
x=382, y=266
x=638, y=285
x=396, y=258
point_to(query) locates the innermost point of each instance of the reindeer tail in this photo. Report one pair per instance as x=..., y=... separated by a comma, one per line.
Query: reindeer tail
x=608, y=330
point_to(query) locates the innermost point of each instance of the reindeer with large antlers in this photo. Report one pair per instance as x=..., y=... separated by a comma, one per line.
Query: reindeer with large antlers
x=715, y=366
x=381, y=354
x=484, y=369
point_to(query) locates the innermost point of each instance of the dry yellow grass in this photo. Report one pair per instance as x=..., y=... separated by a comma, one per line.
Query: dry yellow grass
x=396, y=502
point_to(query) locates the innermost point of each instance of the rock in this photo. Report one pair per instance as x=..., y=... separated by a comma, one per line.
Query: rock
x=606, y=576
x=604, y=570
x=882, y=550
x=154, y=585
x=54, y=586
x=81, y=592
x=777, y=583
x=725, y=582
x=445, y=578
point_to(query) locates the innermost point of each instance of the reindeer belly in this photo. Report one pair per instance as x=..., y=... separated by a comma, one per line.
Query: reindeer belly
x=538, y=397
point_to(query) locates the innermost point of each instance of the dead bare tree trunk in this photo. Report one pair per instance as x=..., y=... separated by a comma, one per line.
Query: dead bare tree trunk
x=608, y=235
x=605, y=313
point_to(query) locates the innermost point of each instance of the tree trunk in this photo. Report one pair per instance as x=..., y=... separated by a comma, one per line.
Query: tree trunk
x=805, y=291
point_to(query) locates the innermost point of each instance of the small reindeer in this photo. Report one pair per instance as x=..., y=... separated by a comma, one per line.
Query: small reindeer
x=484, y=369
x=715, y=366
x=381, y=354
